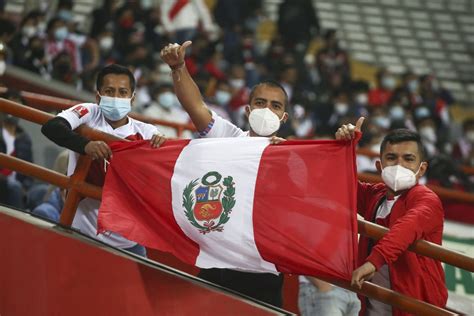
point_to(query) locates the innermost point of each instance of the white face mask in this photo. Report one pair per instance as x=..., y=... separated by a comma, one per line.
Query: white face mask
x=470, y=136
x=264, y=122
x=106, y=43
x=399, y=178
x=341, y=108
x=362, y=99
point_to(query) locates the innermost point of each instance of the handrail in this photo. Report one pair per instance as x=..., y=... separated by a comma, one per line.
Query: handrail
x=38, y=100
x=369, y=229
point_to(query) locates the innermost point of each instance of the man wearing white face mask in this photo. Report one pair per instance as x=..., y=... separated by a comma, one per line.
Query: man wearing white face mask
x=266, y=111
x=115, y=94
x=411, y=212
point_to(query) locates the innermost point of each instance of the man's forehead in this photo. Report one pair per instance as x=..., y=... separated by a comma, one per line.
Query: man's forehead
x=116, y=81
x=408, y=147
x=270, y=93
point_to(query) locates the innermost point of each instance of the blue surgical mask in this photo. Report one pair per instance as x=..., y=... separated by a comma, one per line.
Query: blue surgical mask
x=412, y=86
x=222, y=97
x=61, y=33
x=167, y=99
x=115, y=109
x=388, y=82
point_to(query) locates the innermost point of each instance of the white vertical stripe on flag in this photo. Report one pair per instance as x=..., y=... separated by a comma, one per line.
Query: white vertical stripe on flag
x=234, y=247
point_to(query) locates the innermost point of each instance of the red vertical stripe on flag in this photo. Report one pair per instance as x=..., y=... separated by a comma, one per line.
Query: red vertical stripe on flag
x=150, y=224
x=305, y=204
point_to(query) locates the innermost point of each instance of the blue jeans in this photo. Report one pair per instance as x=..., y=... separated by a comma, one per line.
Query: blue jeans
x=15, y=194
x=138, y=250
x=336, y=302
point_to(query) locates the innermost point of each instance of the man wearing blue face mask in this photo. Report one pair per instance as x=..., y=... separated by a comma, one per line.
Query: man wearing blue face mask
x=115, y=94
x=266, y=111
x=411, y=211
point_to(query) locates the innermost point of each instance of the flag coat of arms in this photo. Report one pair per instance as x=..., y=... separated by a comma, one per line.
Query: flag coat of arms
x=238, y=203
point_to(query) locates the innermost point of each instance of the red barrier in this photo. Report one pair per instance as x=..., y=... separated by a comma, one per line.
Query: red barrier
x=45, y=272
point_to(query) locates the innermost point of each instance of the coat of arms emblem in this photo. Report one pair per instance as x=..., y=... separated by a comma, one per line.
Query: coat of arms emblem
x=208, y=204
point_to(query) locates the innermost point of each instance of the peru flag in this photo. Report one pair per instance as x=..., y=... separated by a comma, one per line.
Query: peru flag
x=238, y=203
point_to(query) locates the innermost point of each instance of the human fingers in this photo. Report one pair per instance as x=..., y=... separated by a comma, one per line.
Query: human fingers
x=103, y=151
x=157, y=140
x=359, y=123
x=276, y=140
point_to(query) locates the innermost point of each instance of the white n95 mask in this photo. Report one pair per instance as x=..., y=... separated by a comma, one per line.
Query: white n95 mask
x=399, y=178
x=264, y=122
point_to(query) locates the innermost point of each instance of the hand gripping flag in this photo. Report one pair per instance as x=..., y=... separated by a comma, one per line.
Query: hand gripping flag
x=238, y=203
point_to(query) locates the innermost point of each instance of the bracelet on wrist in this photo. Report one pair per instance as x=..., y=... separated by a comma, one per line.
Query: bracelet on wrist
x=177, y=66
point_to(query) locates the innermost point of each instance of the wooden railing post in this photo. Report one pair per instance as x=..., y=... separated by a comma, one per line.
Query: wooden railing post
x=73, y=196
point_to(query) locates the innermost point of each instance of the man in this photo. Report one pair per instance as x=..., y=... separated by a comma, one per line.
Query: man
x=411, y=212
x=266, y=111
x=14, y=141
x=115, y=95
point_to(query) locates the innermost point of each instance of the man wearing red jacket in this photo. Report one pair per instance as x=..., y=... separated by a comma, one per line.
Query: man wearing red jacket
x=411, y=211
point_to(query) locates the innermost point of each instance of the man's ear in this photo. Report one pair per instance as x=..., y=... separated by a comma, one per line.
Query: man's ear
x=133, y=98
x=422, y=171
x=247, y=110
x=285, y=117
x=378, y=165
x=97, y=97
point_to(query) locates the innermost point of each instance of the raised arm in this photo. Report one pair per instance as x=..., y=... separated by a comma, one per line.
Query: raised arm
x=186, y=89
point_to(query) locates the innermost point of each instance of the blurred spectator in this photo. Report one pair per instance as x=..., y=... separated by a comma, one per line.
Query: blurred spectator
x=7, y=31
x=21, y=40
x=14, y=141
x=63, y=69
x=463, y=151
x=436, y=98
x=386, y=83
x=333, y=63
x=297, y=24
x=53, y=200
x=409, y=90
x=221, y=99
x=35, y=59
x=58, y=41
x=182, y=19
x=103, y=17
x=165, y=106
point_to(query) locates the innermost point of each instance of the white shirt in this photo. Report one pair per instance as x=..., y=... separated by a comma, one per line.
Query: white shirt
x=10, y=146
x=381, y=276
x=188, y=17
x=88, y=209
x=174, y=114
x=223, y=128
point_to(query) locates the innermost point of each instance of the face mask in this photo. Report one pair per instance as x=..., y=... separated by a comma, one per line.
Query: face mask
x=381, y=121
x=341, y=108
x=223, y=97
x=115, y=109
x=106, y=43
x=28, y=31
x=470, y=136
x=61, y=33
x=428, y=133
x=397, y=113
x=412, y=86
x=167, y=99
x=41, y=27
x=264, y=122
x=362, y=99
x=399, y=178
x=3, y=67
x=388, y=83
x=237, y=83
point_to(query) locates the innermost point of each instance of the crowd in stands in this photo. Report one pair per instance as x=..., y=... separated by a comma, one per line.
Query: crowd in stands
x=228, y=56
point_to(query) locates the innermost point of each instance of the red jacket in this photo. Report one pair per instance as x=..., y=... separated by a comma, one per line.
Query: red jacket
x=417, y=214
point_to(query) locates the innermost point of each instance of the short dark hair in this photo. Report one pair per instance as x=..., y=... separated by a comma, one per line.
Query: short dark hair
x=401, y=135
x=269, y=83
x=116, y=70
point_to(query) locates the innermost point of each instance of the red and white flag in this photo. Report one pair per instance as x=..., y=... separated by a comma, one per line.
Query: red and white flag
x=238, y=203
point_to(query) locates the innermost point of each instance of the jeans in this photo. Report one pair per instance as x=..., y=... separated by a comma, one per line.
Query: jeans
x=15, y=195
x=138, y=250
x=336, y=302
